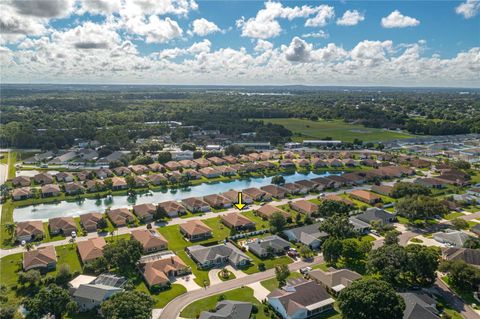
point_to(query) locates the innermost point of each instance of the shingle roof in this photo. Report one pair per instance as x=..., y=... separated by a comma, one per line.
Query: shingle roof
x=207, y=253
x=195, y=227
x=91, y=249
x=419, y=306
x=149, y=238
x=41, y=256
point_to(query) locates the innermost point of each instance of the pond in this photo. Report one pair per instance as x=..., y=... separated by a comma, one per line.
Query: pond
x=76, y=208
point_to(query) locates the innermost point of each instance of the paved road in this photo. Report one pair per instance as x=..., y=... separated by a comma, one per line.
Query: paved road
x=173, y=308
x=466, y=311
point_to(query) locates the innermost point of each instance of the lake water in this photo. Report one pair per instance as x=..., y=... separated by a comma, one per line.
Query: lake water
x=76, y=208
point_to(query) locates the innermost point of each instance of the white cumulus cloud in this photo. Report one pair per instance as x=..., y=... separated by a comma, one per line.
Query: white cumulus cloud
x=202, y=27
x=398, y=20
x=468, y=9
x=351, y=18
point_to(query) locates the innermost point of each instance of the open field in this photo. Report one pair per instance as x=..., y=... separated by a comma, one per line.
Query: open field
x=336, y=129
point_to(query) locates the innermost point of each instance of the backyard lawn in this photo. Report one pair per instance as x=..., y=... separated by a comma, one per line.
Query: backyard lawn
x=240, y=294
x=162, y=298
x=335, y=129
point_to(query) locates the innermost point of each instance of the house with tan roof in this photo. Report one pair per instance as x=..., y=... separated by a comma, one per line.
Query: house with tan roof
x=382, y=189
x=300, y=299
x=172, y=165
x=195, y=230
x=365, y=196
x=145, y=212
x=172, y=208
x=62, y=225
x=42, y=258
x=29, y=230
x=287, y=164
x=338, y=181
x=157, y=269
x=118, y=183
x=150, y=239
x=210, y=172
x=91, y=249
x=64, y=177
x=318, y=162
x=156, y=167
x=295, y=189
x=339, y=198
x=120, y=216
x=96, y=185
x=192, y=174
x=430, y=182
x=140, y=181
x=139, y=169
x=304, y=206
x=217, y=160
x=257, y=194
x=230, y=159
x=202, y=162
x=302, y=162
x=217, y=201
x=50, y=190
x=226, y=170
x=309, y=185
x=266, y=211
x=89, y=221
x=21, y=181
x=232, y=195
x=122, y=171
x=103, y=173
x=275, y=191
x=157, y=179
x=188, y=163
x=43, y=178
x=237, y=221
x=323, y=182
x=354, y=178
x=21, y=193
x=195, y=204
x=334, y=280
x=73, y=188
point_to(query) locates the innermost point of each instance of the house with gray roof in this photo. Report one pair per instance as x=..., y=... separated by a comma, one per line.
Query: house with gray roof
x=359, y=226
x=419, y=306
x=229, y=309
x=468, y=255
x=262, y=247
x=376, y=214
x=218, y=255
x=309, y=235
x=91, y=295
x=300, y=299
x=453, y=238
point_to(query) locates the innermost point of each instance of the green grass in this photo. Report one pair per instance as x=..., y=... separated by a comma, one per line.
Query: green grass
x=416, y=240
x=162, y=298
x=67, y=254
x=272, y=283
x=12, y=159
x=322, y=266
x=336, y=129
x=259, y=222
x=453, y=215
x=269, y=263
x=467, y=296
x=230, y=276
x=240, y=294
x=201, y=275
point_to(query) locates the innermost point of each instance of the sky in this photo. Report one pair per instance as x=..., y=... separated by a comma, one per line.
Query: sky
x=361, y=43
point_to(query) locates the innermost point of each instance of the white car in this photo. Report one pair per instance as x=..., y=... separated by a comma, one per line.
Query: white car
x=74, y=234
x=305, y=270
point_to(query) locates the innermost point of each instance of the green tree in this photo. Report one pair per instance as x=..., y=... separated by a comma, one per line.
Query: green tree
x=388, y=261
x=338, y=226
x=370, y=299
x=164, y=157
x=422, y=264
x=420, y=207
x=391, y=237
x=459, y=223
x=277, y=222
x=332, y=250
x=31, y=277
x=281, y=273
x=52, y=300
x=472, y=243
x=278, y=180
x=402, y=189
x=305, y=252
x=128, y=305
x=123, y=254
x=354, y=250
x=10, y=228
x=188, y=146
x=463, y=276
x=328, y=207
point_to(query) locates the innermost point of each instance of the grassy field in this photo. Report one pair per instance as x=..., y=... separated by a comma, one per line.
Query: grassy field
x=240, y=294
x=336, y=129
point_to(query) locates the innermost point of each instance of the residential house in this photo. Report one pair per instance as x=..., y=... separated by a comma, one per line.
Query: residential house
x=91, y=249
x=42, y=258
x=287, y=164
x=122, y=171
x=263, y=247
x=120, y=216
x=62, y=225
x=232, y=195
x=339, y=198
x=202, y=162
x=430, y=182
x=230, y=159
x=309, y=235
x=217, y=201
x=295, y=189
x=300, y=299
x=318, y=162
x=338, y=181
x=302, y=162
x=64, y=177
x=95, y=185
x=171, y=208
x=382, y=189
x=275, y=191
x=158, y=268
x=91, y=295
x=50, y=190
x=21, y=193
x=156, y=167
x=103, y=173
x=157, y=179
x=218, y=256
x=468, y=255
x=150, y=239
x=325, y=182
x=237, y=221
x=354, y=178
x=334, y=280
x=229, y=309
x=145, y=212
x=192, y=174
x=140, y=181
x=188, y=163
x=452, y=238
x=89, y=221
x=210, y=172
x=359, y=226
x=267, y=211
x=374, y=214
x=217, y=160
x=172, y=165
x=195, y=230
x=29, y=230
x=139, y=169
x=195, y=204
x=43, y=178
x=226, y=170
x=257, y=194
x=304, y=206
x=21, y=181
x=74, y=188
x=419, y=306
x=365, y=196
x=118, y=183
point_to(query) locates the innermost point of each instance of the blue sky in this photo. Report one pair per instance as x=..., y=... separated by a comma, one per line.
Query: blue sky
x=412, y=43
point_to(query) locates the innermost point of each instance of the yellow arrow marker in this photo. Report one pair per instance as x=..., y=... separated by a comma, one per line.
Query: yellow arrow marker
x=239, y=205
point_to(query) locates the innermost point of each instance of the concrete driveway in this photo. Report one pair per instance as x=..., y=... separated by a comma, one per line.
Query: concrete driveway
x=259, y=292
x=188, y=282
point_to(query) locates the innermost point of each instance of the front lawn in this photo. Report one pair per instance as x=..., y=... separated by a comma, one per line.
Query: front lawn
x=162, y=298
x=453, y=215
x=269, y=263
x=272, y=283
x=201, y=276
x=245, y=294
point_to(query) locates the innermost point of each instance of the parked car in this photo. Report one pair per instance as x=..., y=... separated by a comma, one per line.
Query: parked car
x=305, y=270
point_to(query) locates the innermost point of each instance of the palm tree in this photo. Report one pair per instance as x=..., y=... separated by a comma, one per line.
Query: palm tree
x=10, y=228
x=28, y=246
